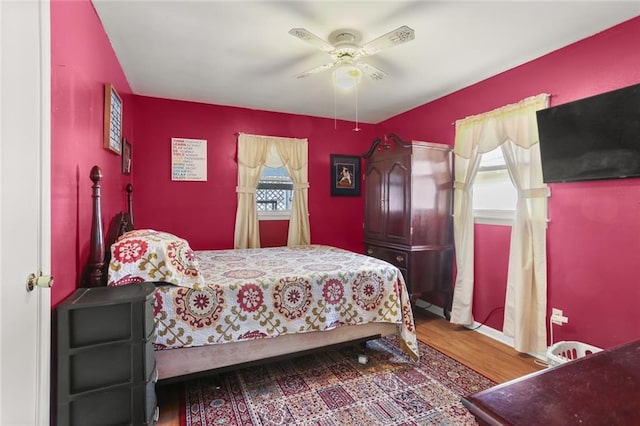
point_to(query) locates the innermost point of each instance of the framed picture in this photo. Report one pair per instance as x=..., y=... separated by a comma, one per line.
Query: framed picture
x=126, y=157
x=112, y=119
x=345, y=175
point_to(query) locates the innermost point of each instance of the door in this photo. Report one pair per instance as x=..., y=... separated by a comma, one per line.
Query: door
x=398, y=218
x=24, y=211
x=374, y=204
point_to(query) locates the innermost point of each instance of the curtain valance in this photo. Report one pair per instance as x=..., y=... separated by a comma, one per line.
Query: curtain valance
x=485, y=132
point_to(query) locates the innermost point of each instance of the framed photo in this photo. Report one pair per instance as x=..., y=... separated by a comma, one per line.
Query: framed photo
x=345, y=175
x=126, y=157
x=112, y=119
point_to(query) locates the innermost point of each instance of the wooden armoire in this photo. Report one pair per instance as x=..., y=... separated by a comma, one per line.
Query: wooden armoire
x=408, y=213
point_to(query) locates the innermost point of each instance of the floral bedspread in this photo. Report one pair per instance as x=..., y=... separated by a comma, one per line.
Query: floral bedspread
x=267, y=292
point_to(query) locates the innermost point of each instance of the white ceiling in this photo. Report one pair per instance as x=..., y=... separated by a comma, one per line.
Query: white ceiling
x=239, y=53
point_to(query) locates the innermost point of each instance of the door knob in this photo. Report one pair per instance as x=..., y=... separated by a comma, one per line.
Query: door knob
x=44, y=281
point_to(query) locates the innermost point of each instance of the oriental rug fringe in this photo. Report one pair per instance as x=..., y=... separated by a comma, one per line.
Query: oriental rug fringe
x=333, y=389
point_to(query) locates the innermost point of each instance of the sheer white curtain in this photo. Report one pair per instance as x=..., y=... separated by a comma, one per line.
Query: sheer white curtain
x=253, y=154
x=514, y=129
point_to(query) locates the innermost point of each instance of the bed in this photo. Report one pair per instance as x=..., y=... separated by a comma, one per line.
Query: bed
x=221, y=309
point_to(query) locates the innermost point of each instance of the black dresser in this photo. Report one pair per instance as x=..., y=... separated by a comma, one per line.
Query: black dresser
x=105, y=366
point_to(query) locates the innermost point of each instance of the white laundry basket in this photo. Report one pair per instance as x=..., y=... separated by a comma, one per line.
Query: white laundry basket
x=566, y=351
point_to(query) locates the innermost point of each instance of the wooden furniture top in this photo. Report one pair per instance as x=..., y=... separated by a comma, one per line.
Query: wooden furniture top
x=599, y=389
x=392, y=144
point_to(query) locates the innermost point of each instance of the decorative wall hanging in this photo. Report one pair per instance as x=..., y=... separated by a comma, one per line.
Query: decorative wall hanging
x=112, y=119
x=126, y=157
x=345, y=175
x=188, y=159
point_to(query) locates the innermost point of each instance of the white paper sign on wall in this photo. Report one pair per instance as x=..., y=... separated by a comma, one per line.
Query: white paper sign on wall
x=188, y=159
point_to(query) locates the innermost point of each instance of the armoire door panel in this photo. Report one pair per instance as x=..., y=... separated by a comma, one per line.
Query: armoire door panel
x=398, y=227
x=374, y=202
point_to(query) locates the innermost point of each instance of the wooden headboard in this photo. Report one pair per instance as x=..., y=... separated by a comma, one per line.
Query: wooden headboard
x=95, y=273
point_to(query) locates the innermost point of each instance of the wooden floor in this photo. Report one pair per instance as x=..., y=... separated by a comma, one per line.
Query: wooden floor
x=489, y=357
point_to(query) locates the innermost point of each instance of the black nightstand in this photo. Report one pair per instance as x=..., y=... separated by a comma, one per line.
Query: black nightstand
x=106, y=369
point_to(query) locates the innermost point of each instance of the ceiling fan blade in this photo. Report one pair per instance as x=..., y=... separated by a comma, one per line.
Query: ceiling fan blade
x=400, y=35
x=370, y=71
x=312, y=39
x=316, y=70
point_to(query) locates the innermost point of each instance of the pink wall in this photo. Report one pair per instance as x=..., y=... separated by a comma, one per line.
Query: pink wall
x=491, y=264
x=204, y=212
x=594, y=236
x=82, y=61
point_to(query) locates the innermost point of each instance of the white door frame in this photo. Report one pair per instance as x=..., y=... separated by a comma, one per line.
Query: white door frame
x=43, y=386
x=25, y=38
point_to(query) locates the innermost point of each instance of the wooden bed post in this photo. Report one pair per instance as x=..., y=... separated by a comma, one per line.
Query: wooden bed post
x=95, y=271
x=96, y=246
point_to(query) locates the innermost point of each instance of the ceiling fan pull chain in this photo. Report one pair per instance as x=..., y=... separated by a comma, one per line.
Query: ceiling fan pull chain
x=335, y=109
x=357, y=129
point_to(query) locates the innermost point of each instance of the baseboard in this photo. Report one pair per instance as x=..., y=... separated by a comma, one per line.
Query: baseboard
x=485, y=329
x=434, y=309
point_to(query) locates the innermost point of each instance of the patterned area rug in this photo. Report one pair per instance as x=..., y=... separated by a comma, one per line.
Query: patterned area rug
x=332, y=388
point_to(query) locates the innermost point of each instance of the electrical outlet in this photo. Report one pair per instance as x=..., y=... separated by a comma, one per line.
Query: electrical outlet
x=557, y=317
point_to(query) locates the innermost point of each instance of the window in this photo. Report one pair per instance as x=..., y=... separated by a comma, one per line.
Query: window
x=494, y=196
x=274, y=194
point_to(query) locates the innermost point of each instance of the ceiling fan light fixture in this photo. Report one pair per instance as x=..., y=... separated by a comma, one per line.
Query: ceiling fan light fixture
x=346, y=76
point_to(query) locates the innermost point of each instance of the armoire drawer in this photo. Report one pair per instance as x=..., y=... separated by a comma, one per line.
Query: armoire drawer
x=397, y=258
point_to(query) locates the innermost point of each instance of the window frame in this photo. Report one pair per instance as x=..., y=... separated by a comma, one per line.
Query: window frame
x=275, y=214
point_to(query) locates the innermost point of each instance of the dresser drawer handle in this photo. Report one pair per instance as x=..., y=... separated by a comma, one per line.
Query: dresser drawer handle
x=369, y=251
x=400, y=259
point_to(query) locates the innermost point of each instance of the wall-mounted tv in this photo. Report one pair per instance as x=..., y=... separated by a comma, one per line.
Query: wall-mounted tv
x=593, y=138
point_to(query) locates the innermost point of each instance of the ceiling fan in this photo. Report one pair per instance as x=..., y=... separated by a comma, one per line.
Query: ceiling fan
x=345, y=50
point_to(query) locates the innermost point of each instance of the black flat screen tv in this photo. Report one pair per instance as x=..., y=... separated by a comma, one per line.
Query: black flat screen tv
x=593, y=138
